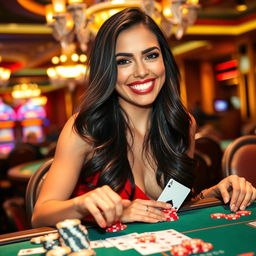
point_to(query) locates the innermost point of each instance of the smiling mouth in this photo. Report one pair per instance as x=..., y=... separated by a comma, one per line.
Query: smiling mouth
x=142, y=87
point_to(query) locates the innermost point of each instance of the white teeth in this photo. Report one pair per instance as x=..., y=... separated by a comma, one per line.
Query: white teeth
x=142, y=87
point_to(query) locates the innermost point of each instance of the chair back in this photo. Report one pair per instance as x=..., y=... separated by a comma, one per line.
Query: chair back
x=201, y=172
x=34, y=186
x=212, y=149
x=240, y=158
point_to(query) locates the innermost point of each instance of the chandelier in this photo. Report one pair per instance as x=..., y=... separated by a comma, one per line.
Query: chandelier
x=4, y=76
x=25, y=90
x=78, y=20
x=69, y=69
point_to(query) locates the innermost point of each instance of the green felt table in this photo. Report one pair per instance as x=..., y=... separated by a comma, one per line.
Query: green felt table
x=229, y=237
x=24, y=171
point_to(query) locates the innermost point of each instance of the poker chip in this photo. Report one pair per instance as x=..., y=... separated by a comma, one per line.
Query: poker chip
x=50, y=241
x=84, y=252
x=179, y=250
x=232, y=216
x=193, y=245
x=146, y=239
x=171, y=213
x=73, y=234
x=206, y=247
x=244, y=213
x=218, y=215
x=36, y=240
x=59, y=251
x=118, y=226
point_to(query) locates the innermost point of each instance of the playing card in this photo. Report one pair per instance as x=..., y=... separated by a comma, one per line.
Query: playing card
x=107, y=244
x=169, y=237
x=174, y=193
x=31, y=251
x=96, y=244
x=124, y=242
x=252, y=224
x=165, y=239
x=150, y=248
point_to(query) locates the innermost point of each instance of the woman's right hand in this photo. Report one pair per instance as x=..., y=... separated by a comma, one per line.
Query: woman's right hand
x=145, y=211
x=105, y=205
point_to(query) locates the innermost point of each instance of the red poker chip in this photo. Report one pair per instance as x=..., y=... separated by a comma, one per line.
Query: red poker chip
x=232, y=216
x=172, y=214
x=172, y=218
x=116, y=227
x=244, y=213
x=169, y=211
x=179, y=250
x=193, y=245
x=218, y=215
x=206, y=247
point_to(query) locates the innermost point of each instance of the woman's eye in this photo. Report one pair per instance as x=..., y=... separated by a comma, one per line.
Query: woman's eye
x=152, y=55
x=122, y=61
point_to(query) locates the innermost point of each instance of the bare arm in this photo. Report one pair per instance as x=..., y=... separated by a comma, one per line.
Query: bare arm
x=233, y=189
x=53, y=204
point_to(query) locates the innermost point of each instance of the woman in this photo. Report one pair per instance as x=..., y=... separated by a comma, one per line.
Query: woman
x=130, y=136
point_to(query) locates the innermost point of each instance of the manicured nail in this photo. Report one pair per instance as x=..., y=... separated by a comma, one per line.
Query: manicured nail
x=242, y=207
x=233, y=208
x=225, y=200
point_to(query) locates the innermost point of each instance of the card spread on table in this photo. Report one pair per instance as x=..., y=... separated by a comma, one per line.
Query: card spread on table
x=174, y=193
x=163, y=241
x=252, y=224
x=31, y=251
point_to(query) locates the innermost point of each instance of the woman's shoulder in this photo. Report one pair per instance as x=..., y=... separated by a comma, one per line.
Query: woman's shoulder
x=70, y=136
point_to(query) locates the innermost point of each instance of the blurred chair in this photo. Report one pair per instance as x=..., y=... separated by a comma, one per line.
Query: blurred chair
x=51, y=150
x=201, y=172
x=15, y=214
x=212, y=149
x=34, y=186
x=240, y=158
x=22, y=153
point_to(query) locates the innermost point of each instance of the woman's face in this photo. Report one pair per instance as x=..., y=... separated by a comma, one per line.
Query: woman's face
x=140, y=66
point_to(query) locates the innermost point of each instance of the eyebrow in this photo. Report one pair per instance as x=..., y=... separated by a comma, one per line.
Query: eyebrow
x=143, y=52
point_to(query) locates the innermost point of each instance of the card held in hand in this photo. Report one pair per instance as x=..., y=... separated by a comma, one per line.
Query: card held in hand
x=174, y=193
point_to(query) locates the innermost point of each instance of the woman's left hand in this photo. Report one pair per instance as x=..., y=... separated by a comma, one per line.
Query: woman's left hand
x=234, y=189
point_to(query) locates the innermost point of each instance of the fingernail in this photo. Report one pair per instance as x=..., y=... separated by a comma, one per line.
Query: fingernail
x=242, y=207
x=225, y=200
x=233, y=207
x=169, y=205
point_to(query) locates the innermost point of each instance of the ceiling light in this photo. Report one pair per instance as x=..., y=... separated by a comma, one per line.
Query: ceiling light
x=78, y=20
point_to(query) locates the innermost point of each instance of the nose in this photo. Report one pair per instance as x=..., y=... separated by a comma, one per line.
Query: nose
x=141, y=69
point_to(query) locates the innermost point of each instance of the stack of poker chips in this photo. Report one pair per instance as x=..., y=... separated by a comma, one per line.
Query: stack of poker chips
x=73, y=234
x=191, y=246
x=171, y=214
x=230, y=216
x=71, y=240
x=50, y=241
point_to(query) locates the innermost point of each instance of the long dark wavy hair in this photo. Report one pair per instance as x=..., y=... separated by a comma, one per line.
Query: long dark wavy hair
x=102, y=123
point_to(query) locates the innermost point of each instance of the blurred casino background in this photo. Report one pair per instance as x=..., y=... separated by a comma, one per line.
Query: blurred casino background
x=43, y=57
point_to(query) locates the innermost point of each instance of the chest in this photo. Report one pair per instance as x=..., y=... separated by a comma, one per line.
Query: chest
x=143, y=169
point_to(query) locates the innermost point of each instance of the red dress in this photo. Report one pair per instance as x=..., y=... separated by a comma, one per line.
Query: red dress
x=82, y=188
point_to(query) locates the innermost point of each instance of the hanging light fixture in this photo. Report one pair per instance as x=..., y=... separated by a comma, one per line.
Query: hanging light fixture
x=78, y=20
x=25, y=91
x=69, y=69
x=4, y=76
